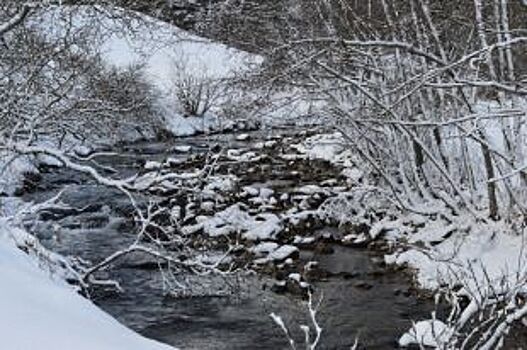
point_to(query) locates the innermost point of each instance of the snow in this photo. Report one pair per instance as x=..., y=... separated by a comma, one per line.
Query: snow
x=266, y=144
x=180, y=125
x=39, y=311
x=240, y=156
x=283, y=252
x=430, y=333
x=474, y=255
x=182, y=148
x=221, y=183
x=12, y=171
x=271, y=252
x=264, y=248
x=263, y=230
x=354, y=175
x=153, y=165
x=243, y=137
x=250, y=191
x=304, y=240
x=323, y=146
x=354, y=239
x=295, y=277
x=171, y=56
x=235, y=220
x=311, y=190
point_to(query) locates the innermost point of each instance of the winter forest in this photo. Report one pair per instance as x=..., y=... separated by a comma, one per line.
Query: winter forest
x=273, y=174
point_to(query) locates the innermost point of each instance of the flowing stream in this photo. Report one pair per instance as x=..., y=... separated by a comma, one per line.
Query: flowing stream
x=362, y=299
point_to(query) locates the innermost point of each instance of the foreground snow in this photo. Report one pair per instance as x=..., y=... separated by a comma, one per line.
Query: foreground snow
x=40, y=311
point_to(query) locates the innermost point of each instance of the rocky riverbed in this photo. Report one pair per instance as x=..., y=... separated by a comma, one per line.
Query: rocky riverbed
x=264, y=199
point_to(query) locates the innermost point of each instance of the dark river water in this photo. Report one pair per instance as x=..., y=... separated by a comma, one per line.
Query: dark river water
x=366, y=301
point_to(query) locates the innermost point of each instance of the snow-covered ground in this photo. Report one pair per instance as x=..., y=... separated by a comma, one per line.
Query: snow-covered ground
x=40, y=311
x=174, y=59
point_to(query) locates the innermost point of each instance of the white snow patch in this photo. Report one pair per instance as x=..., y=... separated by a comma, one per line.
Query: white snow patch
x=182, y=148
x=283, y=252
x=12, y=170
x=235, y=220
x=264, y=248
x=39, y=312
x=432, y=333
x=474, y=254
x=264, y=230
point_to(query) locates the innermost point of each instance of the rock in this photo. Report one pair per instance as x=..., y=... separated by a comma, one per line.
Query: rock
x=264, y=248
x=243, y=137
x=266, y=193
x=82, y=150
x=284, y=252
x=182, y=148
x=295, y=277
x=355, y=240
x=280, y=287
x=377, y=273
x=350, y=275
x=304, y=241
x=313, y=272
x=266, y=144
x=215, y=148
x=173, y=162
x=207, y=206
x=363, y=285
x=152, y=165
x=353, y=175
x=324, y=248
x=429, y=333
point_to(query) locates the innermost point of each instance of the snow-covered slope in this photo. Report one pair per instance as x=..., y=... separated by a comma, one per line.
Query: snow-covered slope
x=39, y=312
x=173, y=57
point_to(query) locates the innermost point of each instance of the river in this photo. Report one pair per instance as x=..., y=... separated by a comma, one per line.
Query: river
x=362, y=298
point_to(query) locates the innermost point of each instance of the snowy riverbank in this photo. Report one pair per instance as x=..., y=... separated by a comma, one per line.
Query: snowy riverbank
x=40, y=311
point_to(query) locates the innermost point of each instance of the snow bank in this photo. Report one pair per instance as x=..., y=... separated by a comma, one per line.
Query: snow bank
x=430, y=333
x=466, y=252
x=39, y=311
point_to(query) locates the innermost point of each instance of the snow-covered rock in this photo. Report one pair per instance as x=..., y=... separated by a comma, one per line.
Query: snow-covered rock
x=272, y=252
x=266, y=228
x=264, y=248
x=283, y=252
x=235, y=220
x=152, y=165
x=243, y=137
x=182, y=148
x=432, y=333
